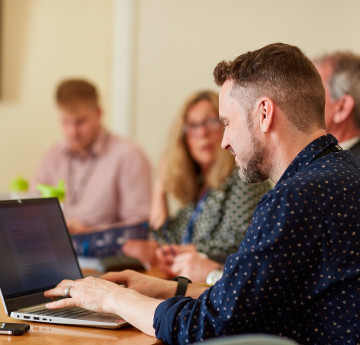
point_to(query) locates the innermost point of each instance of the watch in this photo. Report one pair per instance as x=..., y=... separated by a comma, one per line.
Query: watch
x=213, y=277
x=182, y=285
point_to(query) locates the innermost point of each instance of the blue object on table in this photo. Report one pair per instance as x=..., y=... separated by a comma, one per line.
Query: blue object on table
x=108, y=242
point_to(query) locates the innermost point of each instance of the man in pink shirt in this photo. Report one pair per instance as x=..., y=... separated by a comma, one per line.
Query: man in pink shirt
x=107, y=178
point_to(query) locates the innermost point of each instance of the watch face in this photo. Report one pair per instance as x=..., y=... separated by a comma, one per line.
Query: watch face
x=213, y=277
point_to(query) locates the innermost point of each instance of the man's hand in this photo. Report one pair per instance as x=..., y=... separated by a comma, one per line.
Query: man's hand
x=105, y=295
x=91, y=293
x=144, y=284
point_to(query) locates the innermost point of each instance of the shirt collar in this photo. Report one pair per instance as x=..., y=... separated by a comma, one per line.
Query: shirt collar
x=348, y=144
x=307, y=155
x=96, y=148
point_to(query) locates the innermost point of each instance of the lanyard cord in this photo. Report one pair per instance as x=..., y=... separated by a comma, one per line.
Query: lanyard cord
x=187, y=238
x=75, y=193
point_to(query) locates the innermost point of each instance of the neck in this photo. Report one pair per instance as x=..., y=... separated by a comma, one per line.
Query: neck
x=205, y=170
x=286, y=148
x=86, y=150
x=345, y=131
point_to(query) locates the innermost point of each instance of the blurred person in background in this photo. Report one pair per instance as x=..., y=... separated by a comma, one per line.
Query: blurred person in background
x=216, y=206
x=107, y=178
x=340, y=73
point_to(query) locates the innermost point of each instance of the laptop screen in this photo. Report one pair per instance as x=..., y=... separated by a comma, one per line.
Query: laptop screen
x=36, y=252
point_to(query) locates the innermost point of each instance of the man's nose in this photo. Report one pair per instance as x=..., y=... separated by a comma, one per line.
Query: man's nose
x=225, y=142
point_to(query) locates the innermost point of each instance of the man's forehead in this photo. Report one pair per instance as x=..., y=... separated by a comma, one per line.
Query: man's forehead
x=226, y=88
x=231, y=93
x=226, y=101
x=225, y=94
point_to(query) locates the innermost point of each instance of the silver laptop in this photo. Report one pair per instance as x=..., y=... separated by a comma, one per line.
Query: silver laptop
x=36, y=253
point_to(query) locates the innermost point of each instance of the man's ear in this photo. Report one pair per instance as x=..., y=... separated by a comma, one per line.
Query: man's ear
x=344, y=107
x=265, y=111
x=99, y=112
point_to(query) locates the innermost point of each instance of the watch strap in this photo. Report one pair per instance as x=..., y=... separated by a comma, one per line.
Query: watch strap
x=182, y=285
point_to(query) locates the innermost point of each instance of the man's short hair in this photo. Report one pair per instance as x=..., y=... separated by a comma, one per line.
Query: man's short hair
x=72, y=91
x=283, y=73
x=344, y=78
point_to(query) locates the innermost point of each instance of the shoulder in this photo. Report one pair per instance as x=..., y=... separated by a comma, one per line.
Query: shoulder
x=323, y=180
x=125, y=148
x=56, y=151
x=330, y=169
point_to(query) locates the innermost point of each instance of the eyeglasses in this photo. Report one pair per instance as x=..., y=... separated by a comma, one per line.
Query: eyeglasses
x=211, y=125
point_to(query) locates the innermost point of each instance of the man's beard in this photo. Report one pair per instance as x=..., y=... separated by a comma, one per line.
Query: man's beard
x=252, y=171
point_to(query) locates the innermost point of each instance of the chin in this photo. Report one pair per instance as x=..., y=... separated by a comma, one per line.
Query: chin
x=205, y=159
x=77, y=147
x=251, y=176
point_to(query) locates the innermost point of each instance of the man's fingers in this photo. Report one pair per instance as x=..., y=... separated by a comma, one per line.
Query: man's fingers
x=118, y=277
x=64, y=303
x=59, y=290
x=112, y=276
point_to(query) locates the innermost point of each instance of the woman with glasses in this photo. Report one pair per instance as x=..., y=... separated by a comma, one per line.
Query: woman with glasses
x=215, y=205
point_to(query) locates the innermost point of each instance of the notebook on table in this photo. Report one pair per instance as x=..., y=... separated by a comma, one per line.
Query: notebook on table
x=36, y=253
x=102, y=250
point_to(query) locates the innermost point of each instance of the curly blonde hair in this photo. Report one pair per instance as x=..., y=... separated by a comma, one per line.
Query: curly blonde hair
x=182, y=175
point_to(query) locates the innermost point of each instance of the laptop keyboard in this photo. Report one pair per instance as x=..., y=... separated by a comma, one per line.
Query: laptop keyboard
x=69, y=313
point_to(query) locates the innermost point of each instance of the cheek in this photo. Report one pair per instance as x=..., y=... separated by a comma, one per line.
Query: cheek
x=86, y=129
x=69, y=130
x=192, y=147
x=216, y=138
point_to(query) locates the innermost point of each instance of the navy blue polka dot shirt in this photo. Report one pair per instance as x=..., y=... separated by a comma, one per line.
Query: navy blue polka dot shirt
x=297, y=271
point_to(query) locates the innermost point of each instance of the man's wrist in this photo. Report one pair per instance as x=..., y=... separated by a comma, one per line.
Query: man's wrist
x=182, y=284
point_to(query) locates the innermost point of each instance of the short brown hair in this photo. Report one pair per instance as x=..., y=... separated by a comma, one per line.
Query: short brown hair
x=71, y=91
x=283, y=73
x=345, y=77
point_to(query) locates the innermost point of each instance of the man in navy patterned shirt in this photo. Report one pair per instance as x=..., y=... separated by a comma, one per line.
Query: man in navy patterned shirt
x=297, y=271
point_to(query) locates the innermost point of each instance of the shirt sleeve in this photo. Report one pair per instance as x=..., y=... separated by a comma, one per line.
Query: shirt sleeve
x=262, y=284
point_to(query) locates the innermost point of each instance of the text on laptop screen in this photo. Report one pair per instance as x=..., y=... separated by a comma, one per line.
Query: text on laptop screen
x=35, y=248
